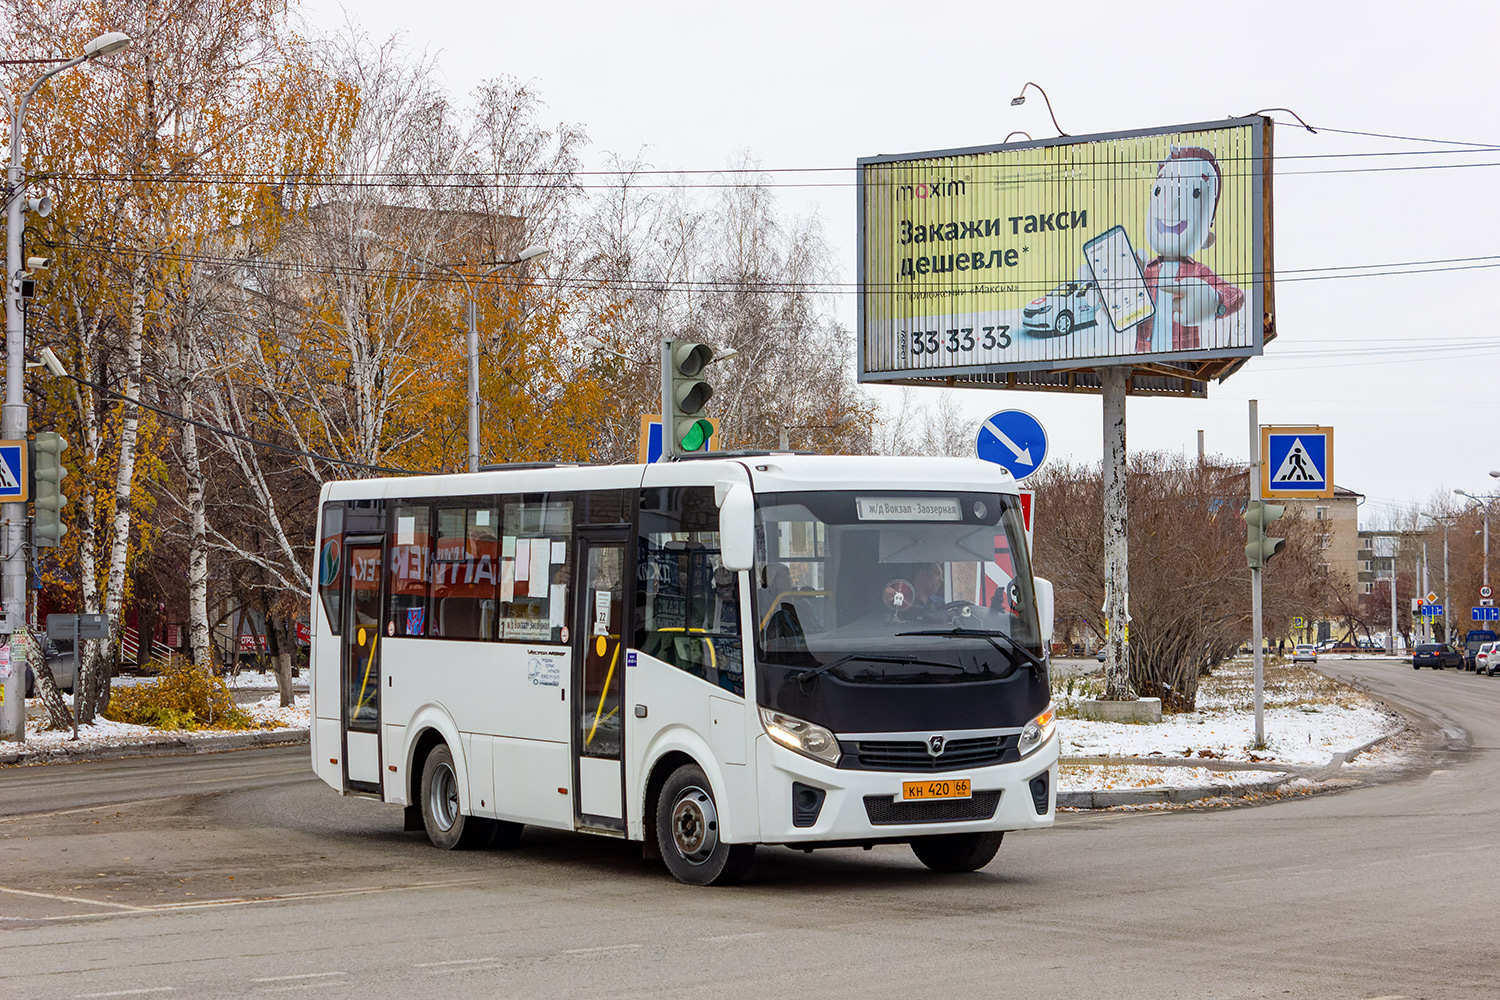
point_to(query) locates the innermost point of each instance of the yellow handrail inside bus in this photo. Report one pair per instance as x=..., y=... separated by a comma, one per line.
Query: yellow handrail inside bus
x=369, y=665
x=607, y=678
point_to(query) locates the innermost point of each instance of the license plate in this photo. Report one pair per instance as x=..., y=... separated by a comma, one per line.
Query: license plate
x=946, y=788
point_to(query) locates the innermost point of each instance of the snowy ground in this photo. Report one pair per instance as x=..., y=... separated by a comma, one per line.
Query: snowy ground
x=1308, y=718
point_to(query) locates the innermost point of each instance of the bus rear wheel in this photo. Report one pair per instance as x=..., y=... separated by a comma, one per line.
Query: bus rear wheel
x=446, y=826
x=687, y=829
x=957, y=852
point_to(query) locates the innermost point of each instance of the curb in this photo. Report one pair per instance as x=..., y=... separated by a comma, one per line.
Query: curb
x=167, y=746
x=1106, y=798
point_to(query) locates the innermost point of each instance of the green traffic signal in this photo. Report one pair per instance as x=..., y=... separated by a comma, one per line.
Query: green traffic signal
x=1260, y=547
x=47, y=472
x=684, y=395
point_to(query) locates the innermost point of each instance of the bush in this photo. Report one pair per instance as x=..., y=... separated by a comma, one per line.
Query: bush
x=182, y=697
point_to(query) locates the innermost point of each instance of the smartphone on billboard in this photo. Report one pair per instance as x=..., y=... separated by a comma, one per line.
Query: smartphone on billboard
x=1117, y=275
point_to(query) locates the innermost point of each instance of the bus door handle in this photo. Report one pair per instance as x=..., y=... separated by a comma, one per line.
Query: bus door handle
x=640, y=711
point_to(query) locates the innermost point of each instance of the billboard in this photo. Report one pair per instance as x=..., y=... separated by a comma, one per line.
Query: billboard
x=1037, y=263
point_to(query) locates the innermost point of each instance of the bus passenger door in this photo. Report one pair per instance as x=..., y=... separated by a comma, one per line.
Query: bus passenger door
x=361, y=678
x=599, y=681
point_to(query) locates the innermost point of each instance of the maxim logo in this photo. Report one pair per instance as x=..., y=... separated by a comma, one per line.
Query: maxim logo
x=935, y=189
x=935, y=745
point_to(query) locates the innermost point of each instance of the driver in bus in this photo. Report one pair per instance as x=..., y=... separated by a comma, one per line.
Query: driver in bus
x=927, y=582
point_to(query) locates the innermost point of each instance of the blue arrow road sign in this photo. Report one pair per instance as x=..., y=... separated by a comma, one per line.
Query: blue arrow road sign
x=13, y=470
x=1485, y=614
x=1013, y=439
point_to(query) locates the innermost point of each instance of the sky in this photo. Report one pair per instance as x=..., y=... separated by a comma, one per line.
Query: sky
x=1394, y=361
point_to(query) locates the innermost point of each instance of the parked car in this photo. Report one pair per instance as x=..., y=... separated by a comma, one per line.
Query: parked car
x=1436, y=655
x=1069, y=305
x=1482, y=657
x=1305, y=654
x=62, y=660
x=1473, y=639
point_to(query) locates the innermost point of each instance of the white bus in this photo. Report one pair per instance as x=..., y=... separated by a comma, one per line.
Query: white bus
x=703, y=655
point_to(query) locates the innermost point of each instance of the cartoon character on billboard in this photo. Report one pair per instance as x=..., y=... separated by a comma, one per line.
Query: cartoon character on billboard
x=1184, y=201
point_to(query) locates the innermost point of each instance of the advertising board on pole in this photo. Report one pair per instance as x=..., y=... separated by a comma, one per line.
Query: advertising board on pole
x=1034, y=264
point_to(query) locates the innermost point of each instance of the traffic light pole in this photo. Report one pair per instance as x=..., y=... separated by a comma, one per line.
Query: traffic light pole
x=1255, y=601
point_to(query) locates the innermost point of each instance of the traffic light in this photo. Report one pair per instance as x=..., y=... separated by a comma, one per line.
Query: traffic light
x=684, y=427
x=48, y=472
x=1260, y=547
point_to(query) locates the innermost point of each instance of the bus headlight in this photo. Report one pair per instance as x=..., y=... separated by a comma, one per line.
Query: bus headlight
x=1038, y=731
x=803, y=737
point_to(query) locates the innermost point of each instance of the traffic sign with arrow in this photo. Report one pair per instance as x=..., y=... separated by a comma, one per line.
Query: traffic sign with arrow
x=1013, y=439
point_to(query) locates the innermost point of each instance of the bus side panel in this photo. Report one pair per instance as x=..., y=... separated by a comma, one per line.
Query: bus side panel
x=680, y=716
x=533, y=782
x=327, y=750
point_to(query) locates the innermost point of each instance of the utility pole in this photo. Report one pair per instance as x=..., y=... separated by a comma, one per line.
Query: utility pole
x=1255, y=584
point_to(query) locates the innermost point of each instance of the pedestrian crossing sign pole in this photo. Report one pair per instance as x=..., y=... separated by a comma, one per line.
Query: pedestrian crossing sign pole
x=1298, y=462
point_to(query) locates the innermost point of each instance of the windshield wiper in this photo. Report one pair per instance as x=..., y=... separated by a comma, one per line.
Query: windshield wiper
x=812, y=674
x=990, y=635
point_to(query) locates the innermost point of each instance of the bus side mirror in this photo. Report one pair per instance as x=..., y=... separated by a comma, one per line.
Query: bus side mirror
x=737, y=528
x=1044, y=608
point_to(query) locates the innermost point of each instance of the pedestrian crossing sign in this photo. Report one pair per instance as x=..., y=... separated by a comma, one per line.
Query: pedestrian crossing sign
x=15, y=477
x=1296, y=462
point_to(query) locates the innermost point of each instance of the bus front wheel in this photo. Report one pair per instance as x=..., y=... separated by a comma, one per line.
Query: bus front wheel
x=447, y=827
x=687, y=828
x=957, y=852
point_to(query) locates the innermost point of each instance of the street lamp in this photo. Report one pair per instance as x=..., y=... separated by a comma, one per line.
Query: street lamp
x=530, y=253
x=13, y=415
x=1020, y=99
x=1483, y=501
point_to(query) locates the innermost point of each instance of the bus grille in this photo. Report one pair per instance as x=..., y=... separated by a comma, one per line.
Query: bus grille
x=884, y=810
x=912, y=755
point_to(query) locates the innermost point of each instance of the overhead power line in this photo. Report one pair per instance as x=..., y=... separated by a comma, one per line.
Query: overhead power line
x=226, y=432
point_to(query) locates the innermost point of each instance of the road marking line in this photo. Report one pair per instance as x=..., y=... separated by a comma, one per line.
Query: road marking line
x=126, y=993
x=735, y=937
x=74, y=899
x=1393, y=996
x=82, y=809
x=305, y=975
x=602, y=950
x=455, y=961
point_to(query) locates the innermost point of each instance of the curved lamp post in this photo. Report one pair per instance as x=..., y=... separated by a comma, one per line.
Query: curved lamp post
x=13, y=415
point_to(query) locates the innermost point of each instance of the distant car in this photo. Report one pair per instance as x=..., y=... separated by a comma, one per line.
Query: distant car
x=1473, y=639
x=1436, y=655
x=1100, y=654
x=1482, y=658
x=1305, y=654
x=1056, y=314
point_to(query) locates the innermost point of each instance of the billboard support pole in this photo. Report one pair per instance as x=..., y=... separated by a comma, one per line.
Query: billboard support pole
x=1117, y=686
x=1256, y=634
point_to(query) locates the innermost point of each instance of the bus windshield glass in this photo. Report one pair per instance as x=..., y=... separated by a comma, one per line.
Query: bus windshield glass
x=886, y=587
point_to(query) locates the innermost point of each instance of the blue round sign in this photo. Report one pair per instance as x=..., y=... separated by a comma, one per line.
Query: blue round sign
x=1015, y=440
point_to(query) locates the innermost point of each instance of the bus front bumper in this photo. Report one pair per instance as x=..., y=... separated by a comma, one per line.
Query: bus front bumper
x=805, y=801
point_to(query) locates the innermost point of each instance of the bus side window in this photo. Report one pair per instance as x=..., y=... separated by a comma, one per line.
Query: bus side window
x=330, y=565
x=465, y=573
x=689, y=614
x=409, y=570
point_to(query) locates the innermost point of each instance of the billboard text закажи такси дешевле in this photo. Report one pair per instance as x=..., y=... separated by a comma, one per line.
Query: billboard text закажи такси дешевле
x=1055, y=258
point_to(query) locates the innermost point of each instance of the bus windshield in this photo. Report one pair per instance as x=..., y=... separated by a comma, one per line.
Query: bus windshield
x=885, y=587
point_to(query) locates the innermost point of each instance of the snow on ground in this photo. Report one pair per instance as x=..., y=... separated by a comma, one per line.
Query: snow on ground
x=1294, y=736
x=1093, y=777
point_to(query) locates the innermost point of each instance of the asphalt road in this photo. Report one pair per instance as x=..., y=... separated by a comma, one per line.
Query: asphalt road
x=240, y=875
